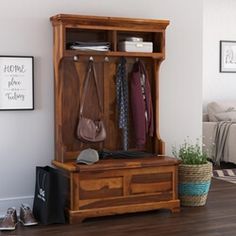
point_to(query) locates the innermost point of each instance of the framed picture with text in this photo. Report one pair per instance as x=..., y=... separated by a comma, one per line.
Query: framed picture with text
x=16, y=83
x=228, y=56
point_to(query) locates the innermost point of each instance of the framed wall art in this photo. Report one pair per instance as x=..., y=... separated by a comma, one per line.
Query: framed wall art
x=228, y=56
x=16, y=83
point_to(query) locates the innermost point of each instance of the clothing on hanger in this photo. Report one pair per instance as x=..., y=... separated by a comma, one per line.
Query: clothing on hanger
x=122, y=96
x=141, y=104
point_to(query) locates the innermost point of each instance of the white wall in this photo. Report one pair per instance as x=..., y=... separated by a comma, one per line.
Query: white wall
x=218, y=24
x=27, y=137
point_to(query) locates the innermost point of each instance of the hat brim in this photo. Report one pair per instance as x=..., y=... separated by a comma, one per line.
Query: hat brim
x=85, y=162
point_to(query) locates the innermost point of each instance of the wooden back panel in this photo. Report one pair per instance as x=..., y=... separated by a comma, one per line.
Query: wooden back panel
x=73, y=76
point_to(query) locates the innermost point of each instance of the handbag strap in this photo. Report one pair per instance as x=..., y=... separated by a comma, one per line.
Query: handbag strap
x=91, y=69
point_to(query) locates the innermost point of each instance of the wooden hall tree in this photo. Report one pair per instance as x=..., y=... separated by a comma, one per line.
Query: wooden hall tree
x=111, y=186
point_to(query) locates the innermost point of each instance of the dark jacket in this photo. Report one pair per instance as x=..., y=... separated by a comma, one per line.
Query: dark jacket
x=141, y=105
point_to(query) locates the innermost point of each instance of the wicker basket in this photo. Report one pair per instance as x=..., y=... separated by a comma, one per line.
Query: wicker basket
x=194, y=184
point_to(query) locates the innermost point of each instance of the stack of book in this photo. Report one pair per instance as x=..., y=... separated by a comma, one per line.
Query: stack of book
x=90, y=46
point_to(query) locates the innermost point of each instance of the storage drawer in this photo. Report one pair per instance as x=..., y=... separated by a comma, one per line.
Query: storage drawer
x=151, y=183
x=137, y=200
x=101, y=188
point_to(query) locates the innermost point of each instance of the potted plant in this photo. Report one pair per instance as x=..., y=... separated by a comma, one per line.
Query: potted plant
x=195, y=173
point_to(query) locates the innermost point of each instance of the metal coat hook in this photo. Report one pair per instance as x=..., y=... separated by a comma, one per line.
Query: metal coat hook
x=76, y=58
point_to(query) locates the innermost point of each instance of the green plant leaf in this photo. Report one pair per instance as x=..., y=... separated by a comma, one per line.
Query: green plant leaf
x=190, y=154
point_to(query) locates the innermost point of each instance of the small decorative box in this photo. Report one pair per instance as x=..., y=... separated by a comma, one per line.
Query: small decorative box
x=129, y=46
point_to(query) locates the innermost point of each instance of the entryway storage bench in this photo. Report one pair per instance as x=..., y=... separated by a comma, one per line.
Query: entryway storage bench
x=111, y=186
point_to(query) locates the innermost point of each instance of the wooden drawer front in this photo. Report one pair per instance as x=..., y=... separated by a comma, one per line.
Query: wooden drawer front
x=151, y=183
x=101, y=188
x=125, y=201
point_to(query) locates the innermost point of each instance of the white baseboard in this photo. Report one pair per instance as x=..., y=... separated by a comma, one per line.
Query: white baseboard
x=16, y=202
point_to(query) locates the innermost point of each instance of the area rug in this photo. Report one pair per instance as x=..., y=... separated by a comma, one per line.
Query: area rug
x=228, y=175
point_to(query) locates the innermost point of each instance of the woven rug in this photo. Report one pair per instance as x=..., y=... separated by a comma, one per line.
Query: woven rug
x=228, y=175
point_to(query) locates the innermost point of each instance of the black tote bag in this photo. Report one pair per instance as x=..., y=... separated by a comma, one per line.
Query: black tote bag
x=51, y=195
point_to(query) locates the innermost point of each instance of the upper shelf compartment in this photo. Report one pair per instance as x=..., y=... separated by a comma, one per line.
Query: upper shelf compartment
x=140, y=41
x=110, y=31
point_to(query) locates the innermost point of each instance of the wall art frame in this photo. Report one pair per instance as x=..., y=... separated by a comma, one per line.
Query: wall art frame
x=227, y=56
x=16, y=82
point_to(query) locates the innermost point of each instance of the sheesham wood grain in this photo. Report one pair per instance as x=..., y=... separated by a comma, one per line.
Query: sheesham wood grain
x=109, y=186
x=109, y=23
x=122, y=185
x=69, y=76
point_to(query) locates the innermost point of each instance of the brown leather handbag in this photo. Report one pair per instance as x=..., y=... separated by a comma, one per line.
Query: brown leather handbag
x=90, y=130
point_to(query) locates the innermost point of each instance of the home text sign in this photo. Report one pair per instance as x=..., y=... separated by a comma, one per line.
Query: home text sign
x=16, y=83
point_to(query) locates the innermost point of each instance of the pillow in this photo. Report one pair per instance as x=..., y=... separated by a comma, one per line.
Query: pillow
x=214, y=108
x=226, y=116
x=205, y=117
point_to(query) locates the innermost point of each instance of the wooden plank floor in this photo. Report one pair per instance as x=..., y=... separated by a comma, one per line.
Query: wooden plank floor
x=218, y=217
